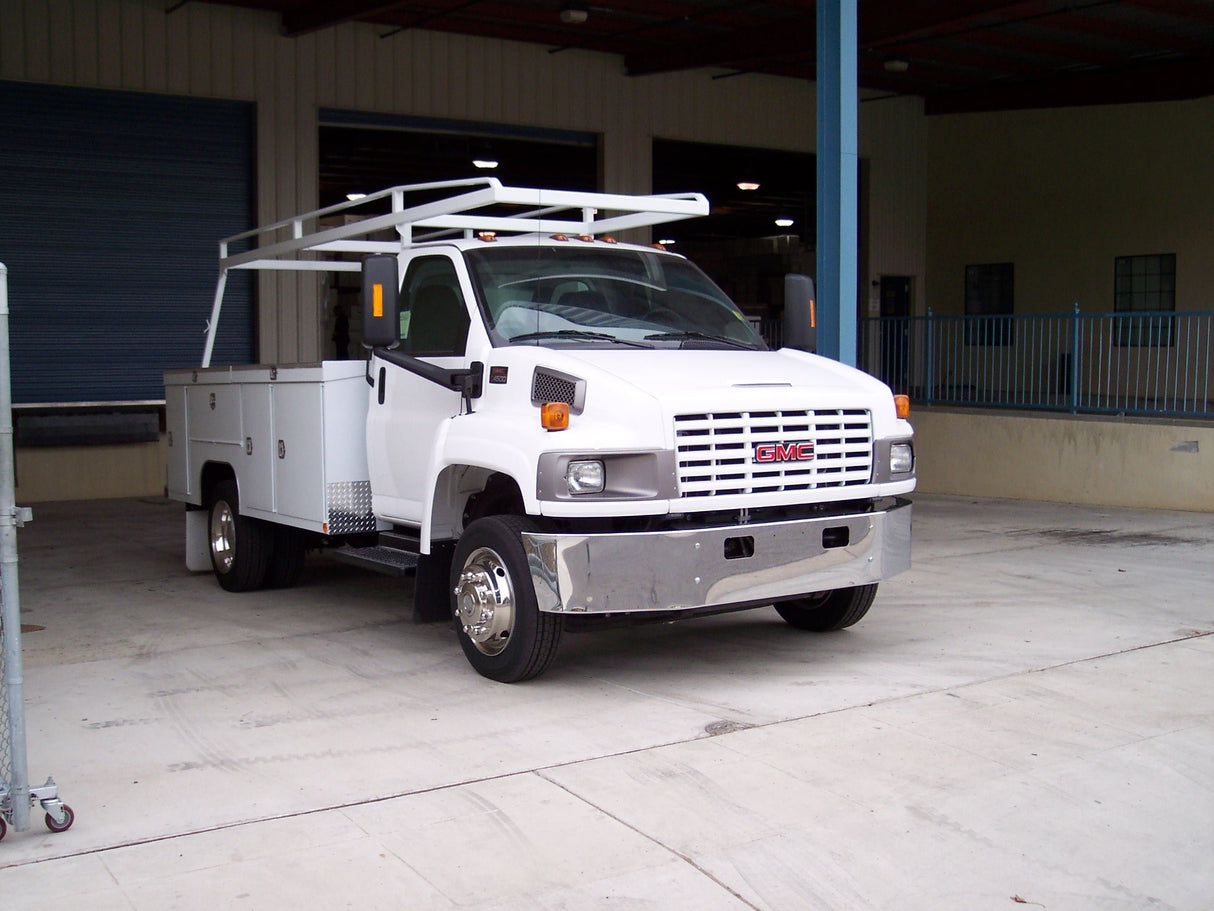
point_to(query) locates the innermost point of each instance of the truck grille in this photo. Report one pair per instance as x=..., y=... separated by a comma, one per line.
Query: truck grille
x=765, y=451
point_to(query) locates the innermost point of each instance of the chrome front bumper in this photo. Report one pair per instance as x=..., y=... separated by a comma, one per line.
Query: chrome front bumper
x=716, y=567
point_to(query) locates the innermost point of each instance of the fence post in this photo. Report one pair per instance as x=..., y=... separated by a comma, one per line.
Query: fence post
x=929, y=357
x=1076, y=332
x=10, y=620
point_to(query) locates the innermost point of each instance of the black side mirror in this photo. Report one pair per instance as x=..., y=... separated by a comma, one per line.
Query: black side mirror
x=800, y=313
x=381, y=301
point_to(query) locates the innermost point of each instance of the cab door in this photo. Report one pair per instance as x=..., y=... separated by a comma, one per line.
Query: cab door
x=408, y=413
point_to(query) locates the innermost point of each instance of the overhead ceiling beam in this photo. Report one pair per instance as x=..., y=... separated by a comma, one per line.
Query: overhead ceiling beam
x=1168, y=81
x=1132, y=35
x=895, y=21
x=962, y=61
x=1181, y=9
x=1053, y=53
x=794, y=41
x=322, y=14
x=883, y=24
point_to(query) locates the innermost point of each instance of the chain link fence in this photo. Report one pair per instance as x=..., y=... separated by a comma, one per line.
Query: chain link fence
x=16, y=795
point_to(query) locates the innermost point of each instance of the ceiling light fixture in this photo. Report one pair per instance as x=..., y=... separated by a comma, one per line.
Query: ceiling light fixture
x=483, y=157
x=896, y=65
x=748, y=185
x=574, y=14
x=784, y=222
x=355, y=197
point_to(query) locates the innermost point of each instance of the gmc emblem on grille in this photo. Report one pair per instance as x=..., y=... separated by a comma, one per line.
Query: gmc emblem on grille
x=784, y=452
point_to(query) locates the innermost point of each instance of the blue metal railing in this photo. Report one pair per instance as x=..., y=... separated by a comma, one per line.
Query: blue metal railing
x=1158, y=363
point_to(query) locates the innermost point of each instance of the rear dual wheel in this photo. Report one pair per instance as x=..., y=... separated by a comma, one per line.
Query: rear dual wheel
x=247, y=553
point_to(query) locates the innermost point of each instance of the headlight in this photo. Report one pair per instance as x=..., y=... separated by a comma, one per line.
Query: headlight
x=901, y=458
x=585, y=477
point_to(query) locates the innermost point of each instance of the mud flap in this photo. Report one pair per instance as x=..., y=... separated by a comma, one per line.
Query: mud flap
x=432, y=585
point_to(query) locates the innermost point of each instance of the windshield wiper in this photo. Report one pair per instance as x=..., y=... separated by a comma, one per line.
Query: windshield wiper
x=577, y=335
x=699, y=336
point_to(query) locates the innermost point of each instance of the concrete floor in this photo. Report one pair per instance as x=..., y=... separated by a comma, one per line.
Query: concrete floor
x=1026, y=718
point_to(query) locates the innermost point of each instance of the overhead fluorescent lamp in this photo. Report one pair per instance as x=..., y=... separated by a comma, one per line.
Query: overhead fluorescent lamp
x=574, y=14
x=485, y=164
x=784, y=222
x=355, y=197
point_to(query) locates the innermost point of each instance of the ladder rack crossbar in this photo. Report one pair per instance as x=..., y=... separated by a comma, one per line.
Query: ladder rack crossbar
x=548, y=211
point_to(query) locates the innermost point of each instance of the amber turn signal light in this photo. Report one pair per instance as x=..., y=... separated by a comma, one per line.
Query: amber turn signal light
x=554, y=415
x=902, y=405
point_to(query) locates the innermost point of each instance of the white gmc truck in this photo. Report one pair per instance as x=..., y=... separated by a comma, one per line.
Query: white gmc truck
x=549, y=427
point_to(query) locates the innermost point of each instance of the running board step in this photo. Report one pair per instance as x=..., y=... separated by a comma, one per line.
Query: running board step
x=386, y=560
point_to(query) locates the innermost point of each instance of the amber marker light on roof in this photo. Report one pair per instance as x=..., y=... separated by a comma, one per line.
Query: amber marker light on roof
x=554, y=415
x=487, y=236
x=902, y=405
x=558, y=236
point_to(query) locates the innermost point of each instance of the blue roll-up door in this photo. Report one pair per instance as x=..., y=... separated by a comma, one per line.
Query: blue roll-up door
x=111, y=208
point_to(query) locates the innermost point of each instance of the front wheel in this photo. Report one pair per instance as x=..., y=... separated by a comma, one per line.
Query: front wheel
x=830, y=610
x=504, y=635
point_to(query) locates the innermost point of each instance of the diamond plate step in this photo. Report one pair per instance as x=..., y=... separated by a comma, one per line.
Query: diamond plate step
x=386, y=560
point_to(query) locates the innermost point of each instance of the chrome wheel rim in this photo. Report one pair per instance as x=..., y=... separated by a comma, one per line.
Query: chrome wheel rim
x=223, y=536
x=484, y=601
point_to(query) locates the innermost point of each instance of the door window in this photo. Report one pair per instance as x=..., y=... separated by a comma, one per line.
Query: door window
x=434, y=320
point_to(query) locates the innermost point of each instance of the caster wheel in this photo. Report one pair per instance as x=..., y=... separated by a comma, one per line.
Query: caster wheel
x=69, y=818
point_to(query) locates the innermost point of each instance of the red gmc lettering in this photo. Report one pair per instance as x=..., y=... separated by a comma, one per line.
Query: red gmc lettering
x=784, y=452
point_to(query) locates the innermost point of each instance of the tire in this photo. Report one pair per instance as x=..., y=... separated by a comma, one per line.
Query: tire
x=69, y=818
x=240, y=547
x=822, y=612
x=504, y=635
x=286, y=561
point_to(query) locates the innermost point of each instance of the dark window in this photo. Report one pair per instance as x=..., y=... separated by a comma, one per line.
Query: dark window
x=989, y=298
x=434, y=320
x=1144, y=288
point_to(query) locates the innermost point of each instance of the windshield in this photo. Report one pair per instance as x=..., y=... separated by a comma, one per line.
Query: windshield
x=589, y=296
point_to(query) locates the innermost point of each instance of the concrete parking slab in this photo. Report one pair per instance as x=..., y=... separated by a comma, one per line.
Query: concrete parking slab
x=1024, y=718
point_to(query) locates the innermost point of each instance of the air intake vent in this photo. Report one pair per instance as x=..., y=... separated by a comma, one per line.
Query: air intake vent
x=553, y=386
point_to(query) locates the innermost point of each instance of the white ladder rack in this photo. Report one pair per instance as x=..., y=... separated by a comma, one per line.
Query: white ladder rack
x=292, y=244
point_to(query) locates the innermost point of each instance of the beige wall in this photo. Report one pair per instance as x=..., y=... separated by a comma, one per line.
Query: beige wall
x=1060, y=193
x=90, y=472
x=1065, y=459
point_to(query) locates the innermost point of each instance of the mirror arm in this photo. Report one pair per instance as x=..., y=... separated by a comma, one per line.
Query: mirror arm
x=468, y=382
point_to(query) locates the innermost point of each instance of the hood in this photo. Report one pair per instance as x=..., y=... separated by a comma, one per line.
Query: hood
x=678, y=371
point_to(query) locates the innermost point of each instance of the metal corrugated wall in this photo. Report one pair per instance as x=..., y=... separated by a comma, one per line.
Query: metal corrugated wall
x=111, y=206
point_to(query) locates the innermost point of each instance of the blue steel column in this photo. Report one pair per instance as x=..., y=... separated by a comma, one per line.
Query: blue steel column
x=838, y=168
